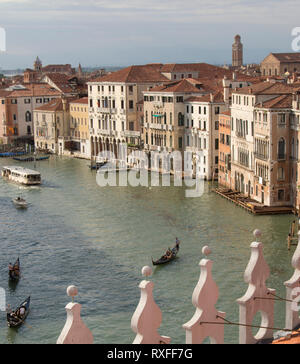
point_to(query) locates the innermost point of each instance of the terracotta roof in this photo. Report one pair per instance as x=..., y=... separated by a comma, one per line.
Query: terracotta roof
x=287, y=57
x=267, y=88
x=292, y=339
x=83, y=100
x=218, y=97
x=4, y=93
x=35, y=89
x=181, y=86
x=278, y=102
x=203, y=69
x=54, y=105
x=134, y=74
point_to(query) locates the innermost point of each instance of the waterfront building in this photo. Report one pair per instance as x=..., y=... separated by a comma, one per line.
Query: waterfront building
x=202, y=131
x=79, y=129
x=225, y=149
x=260, y=150
x=279, y=64
x=52, y=126
x=18, y=104
x=113, y=103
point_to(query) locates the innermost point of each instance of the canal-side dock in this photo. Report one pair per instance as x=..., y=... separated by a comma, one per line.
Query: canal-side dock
x=251, y=205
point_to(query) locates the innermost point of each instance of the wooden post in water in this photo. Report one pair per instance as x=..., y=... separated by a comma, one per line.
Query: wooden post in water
x=289, y=239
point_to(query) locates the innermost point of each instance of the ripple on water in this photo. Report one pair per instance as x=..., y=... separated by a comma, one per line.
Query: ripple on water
x=75, y=232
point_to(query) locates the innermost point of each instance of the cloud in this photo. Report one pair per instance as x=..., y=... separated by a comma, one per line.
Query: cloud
x=111, y=30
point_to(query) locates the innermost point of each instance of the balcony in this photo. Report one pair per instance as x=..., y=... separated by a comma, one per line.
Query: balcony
x=281, y=157
x=261, y=157
x=130, y=134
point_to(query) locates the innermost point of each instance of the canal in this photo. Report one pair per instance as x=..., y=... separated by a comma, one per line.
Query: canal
x=75, y=232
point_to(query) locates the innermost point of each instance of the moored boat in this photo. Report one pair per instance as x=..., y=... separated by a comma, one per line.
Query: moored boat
x=20, y=203
x=169, y=256
x=21, y=175
x=31, y=159
x=16, y=318
x=14, y=271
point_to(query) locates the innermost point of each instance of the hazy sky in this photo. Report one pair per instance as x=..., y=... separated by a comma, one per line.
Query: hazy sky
x=123, y=32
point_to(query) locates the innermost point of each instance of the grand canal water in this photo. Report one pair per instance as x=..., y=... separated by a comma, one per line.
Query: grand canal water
x=75, y=232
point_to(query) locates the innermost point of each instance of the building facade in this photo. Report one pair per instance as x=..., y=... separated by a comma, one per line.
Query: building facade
x=79, y=128
x=52, y=126
x=18, y=106
x=224, y=176
x=279, y=64
x=113, y=107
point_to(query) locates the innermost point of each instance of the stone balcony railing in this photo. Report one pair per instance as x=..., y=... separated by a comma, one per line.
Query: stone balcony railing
x=207, y=321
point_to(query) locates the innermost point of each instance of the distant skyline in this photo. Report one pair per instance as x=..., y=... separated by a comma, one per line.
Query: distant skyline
x=120, y=33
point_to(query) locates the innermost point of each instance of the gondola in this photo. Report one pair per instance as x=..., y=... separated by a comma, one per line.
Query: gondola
x=12, y=273
x=13, y=319
x=168, y=258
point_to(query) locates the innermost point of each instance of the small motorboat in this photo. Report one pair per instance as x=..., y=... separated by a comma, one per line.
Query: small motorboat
x=20, y=203
x=14, y=273
x=16, y=318
x=169, y=256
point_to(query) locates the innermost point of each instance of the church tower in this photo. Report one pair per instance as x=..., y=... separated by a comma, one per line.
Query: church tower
x=38, y=65
x=237, y=52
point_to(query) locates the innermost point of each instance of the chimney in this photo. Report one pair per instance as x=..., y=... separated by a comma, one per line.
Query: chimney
x=211, y=98
x=234, y=76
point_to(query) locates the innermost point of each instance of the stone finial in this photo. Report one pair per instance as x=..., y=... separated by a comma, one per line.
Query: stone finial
x=292, y=319
x=204, y=299
x=74, y=331
x=147, y=317
x=258, y=298
x=206, y=251
x=257, y=234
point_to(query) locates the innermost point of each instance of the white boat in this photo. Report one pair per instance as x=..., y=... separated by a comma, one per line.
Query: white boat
x=22, y=175
x=20, y=203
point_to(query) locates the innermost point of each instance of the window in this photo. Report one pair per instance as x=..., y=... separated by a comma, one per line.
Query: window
x=280, y=174
x=27, y=101
x=14, y=101
x=180, y=119
x=280, y=195
x=216, y=125
x=180, y=142
x=131, y=125
x=216, y=144
x=91, y=103
x=217, y=110
x=281, y=149
x=28, y=116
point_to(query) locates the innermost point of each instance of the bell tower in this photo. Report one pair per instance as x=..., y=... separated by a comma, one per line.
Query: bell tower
x=38, y=65
x=237, y=52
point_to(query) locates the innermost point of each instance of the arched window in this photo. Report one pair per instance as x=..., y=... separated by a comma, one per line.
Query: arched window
x=28, y=130
x=281, y=149
x=28, y=116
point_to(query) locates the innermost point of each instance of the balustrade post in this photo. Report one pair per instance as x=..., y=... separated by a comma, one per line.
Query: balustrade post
x=292, y=320
x=147, y=317
x=258, y=298
x=205, y=297
x=74, y=331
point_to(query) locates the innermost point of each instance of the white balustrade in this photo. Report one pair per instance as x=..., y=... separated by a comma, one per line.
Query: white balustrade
x=204, y=299
x=258, y=298
x=148, y=317
x=74, y=331
x=293, y=293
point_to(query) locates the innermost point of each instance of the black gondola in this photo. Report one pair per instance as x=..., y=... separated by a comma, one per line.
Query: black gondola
x=14, y=274
x=14, y=320
x=168, y=257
